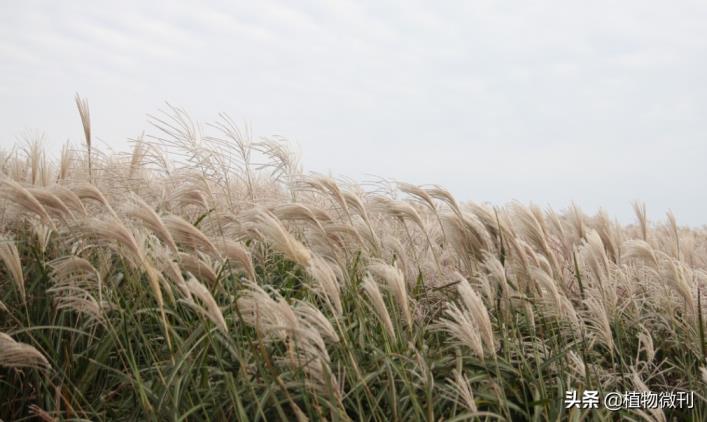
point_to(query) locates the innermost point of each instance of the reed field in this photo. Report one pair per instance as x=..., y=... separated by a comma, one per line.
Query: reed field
x=206, y=276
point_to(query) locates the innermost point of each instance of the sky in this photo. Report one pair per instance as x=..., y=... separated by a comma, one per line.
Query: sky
x=601, y=103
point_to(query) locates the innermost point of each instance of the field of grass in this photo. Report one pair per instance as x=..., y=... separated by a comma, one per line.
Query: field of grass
x=206, y=276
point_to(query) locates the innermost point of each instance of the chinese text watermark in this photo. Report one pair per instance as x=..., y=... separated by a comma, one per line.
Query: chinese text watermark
x=614, y=400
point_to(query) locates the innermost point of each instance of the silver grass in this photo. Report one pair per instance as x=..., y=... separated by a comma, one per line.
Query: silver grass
x=78, y=300
x=137, y=157
x=267, y=227
x=173, y=273
x=11, y=258
x=595, y=254
x=532, y=224
x=328, y=186
x=41, y=414
x=656, y=413
x=557, y=304
x=675, y=273
x=460, y=384
x=303, y=327
x=461, y=325
x=419, y=193
x=675, y=231
x=236, y=252
x=78, y=272
x=497, y=273
x=443, y=195
x=198, y=267
x=476, y=308
x=370, y=287
x=152, y=221
x=184, y=233
x=645, y=344
x=311, y=317
x=354, y=201
x=297, y=212
x=69, y=198
x=395, y=282
x=598, y=322
x=190, y=194
x=333, y=231
x=326, y=284
x=640, y=210
x=51, y=202
x=82, y=105
x=206, y=304
x=640, y=249
x=14, y=354
x=89, y=191
x=113, y=231
x=22, y=197
x=609, y=233
x=65, y=161
x=577, y=364
x=492, y=222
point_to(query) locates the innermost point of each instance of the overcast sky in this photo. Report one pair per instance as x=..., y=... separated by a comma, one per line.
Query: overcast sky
x=600, y=102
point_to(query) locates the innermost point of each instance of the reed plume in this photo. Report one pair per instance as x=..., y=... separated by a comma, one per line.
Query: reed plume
x=14, y=354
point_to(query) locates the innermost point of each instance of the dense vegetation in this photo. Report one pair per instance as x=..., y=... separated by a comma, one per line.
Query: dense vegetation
x=204, y=276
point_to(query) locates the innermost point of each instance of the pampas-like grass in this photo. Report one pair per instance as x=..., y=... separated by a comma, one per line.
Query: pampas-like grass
x=646, y=345
x=152, y=221
x=303, y=327
x=460, y=324
x=11, y=258
x=207, y=305
x=82, y=105
x=640, y=249
x=444, y=195
x=370, y=287
x=476, y=308
x=298, y=212
x=207, y=276
x=78, y=300
x=236, y=252
x=326, y=283
x=264, y=225
x=75, y=271
x=184, y=233
x=42, y=414
x=676, y=275
x=51, y=202
x=595, y=255
x=22, y=197
x=201, y=269
x=656, y=413
x=14, y=354
x=460, y=384
x=69, y=198
x=89, y=191
x=328, y=186
x=190, y=194
x=114, y=232
x=598, y=322
x=533, y=226
x=395, y=282
x=640, y=210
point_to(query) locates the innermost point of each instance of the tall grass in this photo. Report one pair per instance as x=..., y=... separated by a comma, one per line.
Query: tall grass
x=206, y=277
